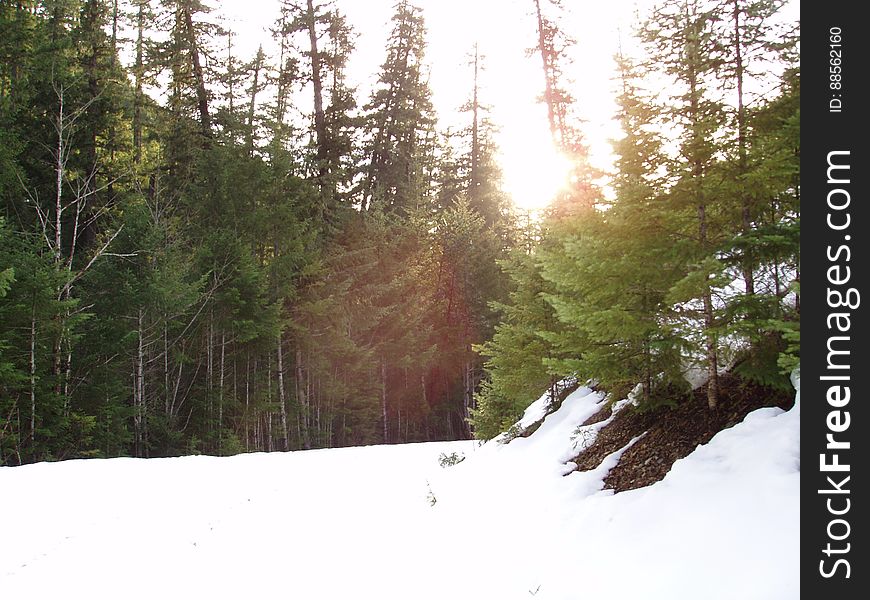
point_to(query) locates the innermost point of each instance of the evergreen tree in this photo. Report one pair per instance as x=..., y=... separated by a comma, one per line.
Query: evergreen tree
x=748, y=41
x=186, y=266
x=519, y=351
x=612, y=270
x=400, y=118
x=770, y=319
x=680, y=38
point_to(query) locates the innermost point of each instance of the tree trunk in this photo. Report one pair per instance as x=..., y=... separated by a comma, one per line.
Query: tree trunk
x=302, y=397
x=282, y=396
x=647, y=372
x=474, y=183
x=60, y=169
x=709, y=335
x=692, y=78
x=137, y=426
x=268, y=415
x=167, y=404
x=220, y=446
x=138, y=73
x=712, y=354
x=67, y=376
x=201, y=92
x=209, y=373
x=252, y=108
x=546, y=64
x=231, y=72
x=746, y=208
x=281, y=95
x=114, y=57
x=384, y=398
x=33, y=379
x=59, y=165
x=140, y=381
x=317, y=83
x=247, y=401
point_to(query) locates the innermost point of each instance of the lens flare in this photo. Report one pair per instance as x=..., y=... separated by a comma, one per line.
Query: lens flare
x=534, y=174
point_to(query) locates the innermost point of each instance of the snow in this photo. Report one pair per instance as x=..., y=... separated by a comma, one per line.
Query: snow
x=510, y=521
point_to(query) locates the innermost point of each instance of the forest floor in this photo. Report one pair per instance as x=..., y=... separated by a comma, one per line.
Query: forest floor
x=671, y=432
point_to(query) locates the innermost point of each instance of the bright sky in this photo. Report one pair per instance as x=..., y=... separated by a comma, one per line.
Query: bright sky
x=512, y=81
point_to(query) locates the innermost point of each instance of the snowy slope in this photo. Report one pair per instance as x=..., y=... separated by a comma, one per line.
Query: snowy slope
x=360, y=523
x=723, y=524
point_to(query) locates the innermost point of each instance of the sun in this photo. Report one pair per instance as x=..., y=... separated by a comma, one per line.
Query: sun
x=534, y=173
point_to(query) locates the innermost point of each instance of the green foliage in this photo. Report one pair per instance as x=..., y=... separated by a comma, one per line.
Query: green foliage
x=494, y=414
x=400, y=120
x=760, y=362
x=789, y=359
x=223, y=279
x=649, y=285
x=517, y=352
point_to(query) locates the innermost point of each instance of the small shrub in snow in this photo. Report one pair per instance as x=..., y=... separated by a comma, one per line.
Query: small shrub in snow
x=448, y=460
x=511, y=434
x=584, y=437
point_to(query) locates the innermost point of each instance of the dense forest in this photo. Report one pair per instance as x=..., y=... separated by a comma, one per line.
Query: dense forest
x=192, y=260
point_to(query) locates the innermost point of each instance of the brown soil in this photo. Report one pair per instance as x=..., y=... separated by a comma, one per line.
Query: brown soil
x=672, y=432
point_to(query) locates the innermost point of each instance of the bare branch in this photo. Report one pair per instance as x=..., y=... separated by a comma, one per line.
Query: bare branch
x=68, y=286
x=43, y=218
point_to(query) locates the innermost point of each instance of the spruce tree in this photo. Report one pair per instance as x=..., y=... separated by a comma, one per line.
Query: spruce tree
x=519, y=351
x=612, y=270
x=680, y=39
x=399, y=117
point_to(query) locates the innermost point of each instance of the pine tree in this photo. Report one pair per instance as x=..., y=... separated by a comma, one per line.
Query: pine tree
x=748, y=41
x=519, y=351
x=529, y=348
x=612, y=270
x=771, y=320
x=33, y=424
x=554, y=49
x=400, y=118
x=681, y=40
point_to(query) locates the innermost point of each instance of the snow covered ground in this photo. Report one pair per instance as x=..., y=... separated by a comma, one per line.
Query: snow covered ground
x=360, y=523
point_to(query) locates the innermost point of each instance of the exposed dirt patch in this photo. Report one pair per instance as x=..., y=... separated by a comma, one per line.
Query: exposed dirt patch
x=601, y=415
x=672, y=432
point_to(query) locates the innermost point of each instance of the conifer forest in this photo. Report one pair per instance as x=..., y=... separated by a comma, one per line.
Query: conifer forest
x=207, y=251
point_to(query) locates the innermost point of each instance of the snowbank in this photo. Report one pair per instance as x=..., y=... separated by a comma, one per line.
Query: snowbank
x=724, y=523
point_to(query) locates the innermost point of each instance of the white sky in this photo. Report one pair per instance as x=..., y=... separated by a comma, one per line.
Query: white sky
x=512, y=81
